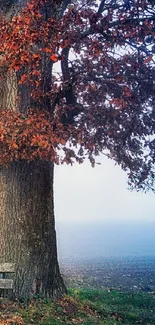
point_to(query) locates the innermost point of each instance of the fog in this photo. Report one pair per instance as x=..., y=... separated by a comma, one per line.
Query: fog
x=86, y=195
x=90, y=240
x=96, y=215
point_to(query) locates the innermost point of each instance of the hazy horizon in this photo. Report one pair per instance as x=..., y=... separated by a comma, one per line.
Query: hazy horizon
x=86, y=194
x=83, y=240
x=96, y=215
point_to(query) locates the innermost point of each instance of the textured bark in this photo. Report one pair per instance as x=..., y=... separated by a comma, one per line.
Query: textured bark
x=8, y=91
x=27, y=227
x=27, y=232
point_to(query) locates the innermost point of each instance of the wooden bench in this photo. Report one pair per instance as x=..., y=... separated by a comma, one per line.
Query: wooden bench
x=5, y=270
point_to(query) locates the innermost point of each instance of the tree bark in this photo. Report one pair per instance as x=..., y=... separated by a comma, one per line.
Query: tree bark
x=27, y=226
x=27, y=232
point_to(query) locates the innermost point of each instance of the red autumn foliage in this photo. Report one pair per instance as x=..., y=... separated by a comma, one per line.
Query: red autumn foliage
x=101, y=100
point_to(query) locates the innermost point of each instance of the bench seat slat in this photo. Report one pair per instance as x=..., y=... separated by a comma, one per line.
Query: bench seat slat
x=7, y=268
x=6, y=283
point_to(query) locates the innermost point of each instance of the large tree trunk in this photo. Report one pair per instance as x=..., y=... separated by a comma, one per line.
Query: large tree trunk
x=27, y=228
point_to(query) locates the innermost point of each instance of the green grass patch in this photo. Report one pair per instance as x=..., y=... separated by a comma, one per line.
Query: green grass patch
x=83, y=306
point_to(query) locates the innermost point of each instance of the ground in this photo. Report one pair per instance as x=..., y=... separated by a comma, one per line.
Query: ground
x=82, y=306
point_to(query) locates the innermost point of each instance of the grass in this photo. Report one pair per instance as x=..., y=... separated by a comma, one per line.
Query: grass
x=83, y=306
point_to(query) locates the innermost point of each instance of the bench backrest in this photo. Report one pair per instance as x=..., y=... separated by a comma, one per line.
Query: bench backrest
x=5, y=269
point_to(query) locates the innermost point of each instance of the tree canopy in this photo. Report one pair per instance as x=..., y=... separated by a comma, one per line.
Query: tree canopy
x=87, y=69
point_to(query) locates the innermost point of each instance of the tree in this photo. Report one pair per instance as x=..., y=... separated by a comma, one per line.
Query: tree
x=100, y=100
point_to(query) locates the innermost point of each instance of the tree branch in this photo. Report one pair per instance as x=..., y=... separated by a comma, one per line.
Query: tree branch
x=101, y=7
x=67, y=92
x=67, y=78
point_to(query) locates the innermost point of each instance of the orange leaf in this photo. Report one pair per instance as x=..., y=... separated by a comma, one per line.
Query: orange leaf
x=54, y=57
x=16, y=67
x=148, y=59
x=23, y=78
x=37, y=83
x=36, y=56
x=47, y=50
x=14, y=145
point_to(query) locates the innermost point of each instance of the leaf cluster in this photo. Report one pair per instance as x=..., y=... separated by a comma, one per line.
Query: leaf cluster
x=99, y=99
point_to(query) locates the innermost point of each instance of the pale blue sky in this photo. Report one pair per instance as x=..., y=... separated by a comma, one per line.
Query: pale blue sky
x=83, y=193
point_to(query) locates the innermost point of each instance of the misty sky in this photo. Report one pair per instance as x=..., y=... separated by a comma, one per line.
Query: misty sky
x=96, y=215
x=83, y=193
